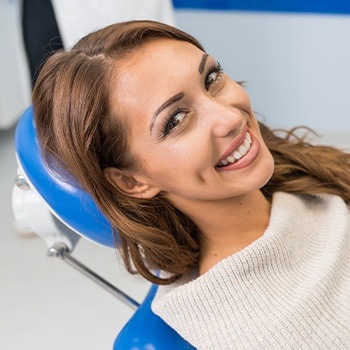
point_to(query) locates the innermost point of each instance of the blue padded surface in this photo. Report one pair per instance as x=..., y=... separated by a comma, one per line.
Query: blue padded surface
x=74, y=206
x=147, y=331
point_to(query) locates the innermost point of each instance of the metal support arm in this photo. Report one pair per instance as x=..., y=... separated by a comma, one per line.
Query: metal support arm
x=60, y=250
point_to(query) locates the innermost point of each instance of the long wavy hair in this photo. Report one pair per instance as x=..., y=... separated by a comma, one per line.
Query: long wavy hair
x=78, y=129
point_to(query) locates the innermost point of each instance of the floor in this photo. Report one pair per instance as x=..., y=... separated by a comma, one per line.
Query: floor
x=44, y=303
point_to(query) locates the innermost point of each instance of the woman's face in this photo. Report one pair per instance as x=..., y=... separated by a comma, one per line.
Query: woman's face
x=191, y=126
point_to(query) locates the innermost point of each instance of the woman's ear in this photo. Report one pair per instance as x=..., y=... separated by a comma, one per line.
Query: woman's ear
x=129, y=183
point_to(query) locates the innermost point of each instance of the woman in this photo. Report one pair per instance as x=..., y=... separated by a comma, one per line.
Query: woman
x=251, y=230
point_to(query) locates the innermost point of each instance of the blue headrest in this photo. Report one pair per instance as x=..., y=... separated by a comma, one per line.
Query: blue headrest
x=71, y=204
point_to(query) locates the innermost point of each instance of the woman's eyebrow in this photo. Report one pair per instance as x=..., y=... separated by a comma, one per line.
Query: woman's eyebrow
x=202, y=64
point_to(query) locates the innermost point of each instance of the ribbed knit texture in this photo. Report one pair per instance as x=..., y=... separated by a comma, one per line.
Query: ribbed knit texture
x=290, y=289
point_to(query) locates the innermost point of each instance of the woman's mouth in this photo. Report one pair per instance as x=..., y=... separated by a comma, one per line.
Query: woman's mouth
x=242, y=156
x=238, y=153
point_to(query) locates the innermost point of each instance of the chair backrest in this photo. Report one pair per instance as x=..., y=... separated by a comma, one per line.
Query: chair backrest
x=72, y=205
x=77, y=209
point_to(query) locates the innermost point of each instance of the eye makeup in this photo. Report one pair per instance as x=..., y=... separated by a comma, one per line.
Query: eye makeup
x=175, y=119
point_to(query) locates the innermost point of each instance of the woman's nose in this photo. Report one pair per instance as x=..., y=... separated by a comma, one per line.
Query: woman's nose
x=223, y=119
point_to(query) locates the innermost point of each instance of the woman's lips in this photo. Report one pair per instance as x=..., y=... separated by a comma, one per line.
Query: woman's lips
x=245, y=160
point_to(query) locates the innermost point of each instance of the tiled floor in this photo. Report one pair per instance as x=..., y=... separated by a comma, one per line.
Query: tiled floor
x=45, y=304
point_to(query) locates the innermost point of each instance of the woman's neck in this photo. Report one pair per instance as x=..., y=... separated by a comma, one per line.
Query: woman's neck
x=230, y=226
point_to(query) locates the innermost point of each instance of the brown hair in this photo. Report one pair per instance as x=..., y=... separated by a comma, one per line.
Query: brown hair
x=77, y=127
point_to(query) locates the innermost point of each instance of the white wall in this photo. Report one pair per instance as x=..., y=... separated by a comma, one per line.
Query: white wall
x=297, y=65
x=14, y=72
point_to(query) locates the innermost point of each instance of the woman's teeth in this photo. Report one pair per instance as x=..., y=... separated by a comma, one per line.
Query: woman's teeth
x=238, y=153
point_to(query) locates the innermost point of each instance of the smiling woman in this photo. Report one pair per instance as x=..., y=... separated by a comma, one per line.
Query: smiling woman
x=249, y=228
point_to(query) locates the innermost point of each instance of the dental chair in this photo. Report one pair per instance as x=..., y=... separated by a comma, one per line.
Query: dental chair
x=61, y=212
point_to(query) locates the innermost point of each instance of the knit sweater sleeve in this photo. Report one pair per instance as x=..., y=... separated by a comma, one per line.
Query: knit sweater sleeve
x=290, y=289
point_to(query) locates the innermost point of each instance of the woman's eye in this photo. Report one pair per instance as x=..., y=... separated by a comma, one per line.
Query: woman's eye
x=212, y=76
x=174, y=120
x=210, y=79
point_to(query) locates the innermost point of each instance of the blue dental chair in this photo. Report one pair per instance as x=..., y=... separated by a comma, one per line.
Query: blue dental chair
x=61, y=213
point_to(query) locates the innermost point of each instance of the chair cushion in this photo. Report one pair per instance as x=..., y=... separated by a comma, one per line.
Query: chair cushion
x=67, y=201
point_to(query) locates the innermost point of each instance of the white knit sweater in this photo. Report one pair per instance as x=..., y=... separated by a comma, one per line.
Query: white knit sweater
x=290, y=289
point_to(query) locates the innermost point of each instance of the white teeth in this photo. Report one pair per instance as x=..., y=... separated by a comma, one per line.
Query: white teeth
x=248, y=138
x=237, y=155
x=240, y=152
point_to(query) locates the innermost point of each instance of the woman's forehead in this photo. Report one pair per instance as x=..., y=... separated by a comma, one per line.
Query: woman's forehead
x=154, y=72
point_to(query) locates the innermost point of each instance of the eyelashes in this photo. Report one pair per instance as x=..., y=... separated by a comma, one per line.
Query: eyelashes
x=213, y=70
x=176, y=118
